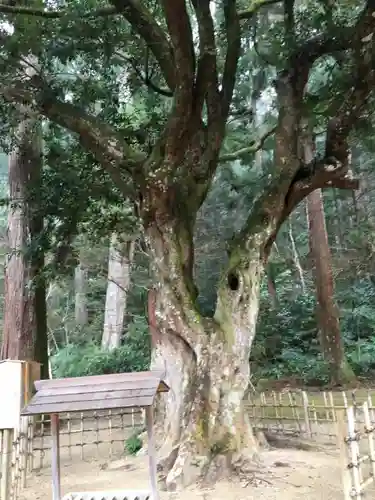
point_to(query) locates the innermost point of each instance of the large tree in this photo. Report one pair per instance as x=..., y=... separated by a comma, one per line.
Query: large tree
x=25, y=318
x=328, y=317
x=192, y=55
x=120, y=259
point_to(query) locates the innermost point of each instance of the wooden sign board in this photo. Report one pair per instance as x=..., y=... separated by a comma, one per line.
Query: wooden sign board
x=16, y=388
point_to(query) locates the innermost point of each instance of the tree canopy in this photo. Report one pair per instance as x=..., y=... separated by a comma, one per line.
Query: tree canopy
x=87, y=53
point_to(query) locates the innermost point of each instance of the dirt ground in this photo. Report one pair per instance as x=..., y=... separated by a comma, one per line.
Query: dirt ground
x=90, y=463
x=287, y=474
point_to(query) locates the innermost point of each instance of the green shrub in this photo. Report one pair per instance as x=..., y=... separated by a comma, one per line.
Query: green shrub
x=361, y=356
x=286, y=342
x=89, y=359
x=133, y=444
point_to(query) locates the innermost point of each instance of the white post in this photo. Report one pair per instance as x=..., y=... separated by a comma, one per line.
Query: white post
x=56, y=488
x=152, y=452
x=6, y=464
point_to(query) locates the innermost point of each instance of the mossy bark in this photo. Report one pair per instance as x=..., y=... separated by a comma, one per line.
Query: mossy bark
x=205, y=361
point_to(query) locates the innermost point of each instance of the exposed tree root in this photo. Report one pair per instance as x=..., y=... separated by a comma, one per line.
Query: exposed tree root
x=183, y=467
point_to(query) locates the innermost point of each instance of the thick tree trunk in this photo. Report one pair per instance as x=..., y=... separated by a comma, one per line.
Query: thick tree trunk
x=120, y=260
x=25, y=325
x=36, y=224
x=19, y=320
x=80, y=288
x=205, y=361
x=327, y=310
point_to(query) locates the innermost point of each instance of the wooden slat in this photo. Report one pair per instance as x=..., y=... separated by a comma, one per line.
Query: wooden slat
x=121, y=390
x=90, y=396
x=152, y=453
x=131, y=386
x=341, y=441
x=109, y=404
x=56, y=479
x=139, y=377
x=354, y=454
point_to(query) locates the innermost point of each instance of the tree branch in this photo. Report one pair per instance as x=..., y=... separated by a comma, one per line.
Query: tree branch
x=256, y=146
x=346, y=38
x=109, y=148
x=289, y=20
x=179, y=28
x=291, y=83
x=145, y=79
x=233, y=31
x=176, y=132
x=327, y=176
x=339, y=127
x=284, y=192
x=257, y=5
x=144, y=23
x=206, y=85
x=53, y=14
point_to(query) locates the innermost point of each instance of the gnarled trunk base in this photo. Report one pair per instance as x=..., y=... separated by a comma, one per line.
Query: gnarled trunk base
x=207, y=430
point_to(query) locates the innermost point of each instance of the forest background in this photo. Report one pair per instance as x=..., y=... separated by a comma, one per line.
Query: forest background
x=96, y=271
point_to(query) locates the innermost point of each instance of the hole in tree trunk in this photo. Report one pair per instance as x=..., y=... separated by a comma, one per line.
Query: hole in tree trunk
x=233, y=281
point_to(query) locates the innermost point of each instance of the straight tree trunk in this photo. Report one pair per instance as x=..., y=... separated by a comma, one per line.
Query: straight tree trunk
x=271, y=285
x=327, y=310
x=355, y=214
x=25, y=317
x=340, y=224
x=120, y=260
x=295, y=257
x=80, y=288
x=36, y=223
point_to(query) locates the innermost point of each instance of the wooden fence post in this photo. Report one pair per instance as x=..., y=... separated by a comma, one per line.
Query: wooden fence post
x=6, y=464
x=354, y=453
x=369, y=430
x=306, y=412
x=341, y=434
x=55, y=432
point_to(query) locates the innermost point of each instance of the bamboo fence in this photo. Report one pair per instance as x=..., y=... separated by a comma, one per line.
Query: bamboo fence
x=91, y=434
x=98, y=435
x=13, y=461
x=298, y=413
x=341, y=419
x=346, y=419
x=355, y=438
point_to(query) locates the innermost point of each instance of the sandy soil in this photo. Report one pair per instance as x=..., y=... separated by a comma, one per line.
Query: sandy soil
x=287, y=474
